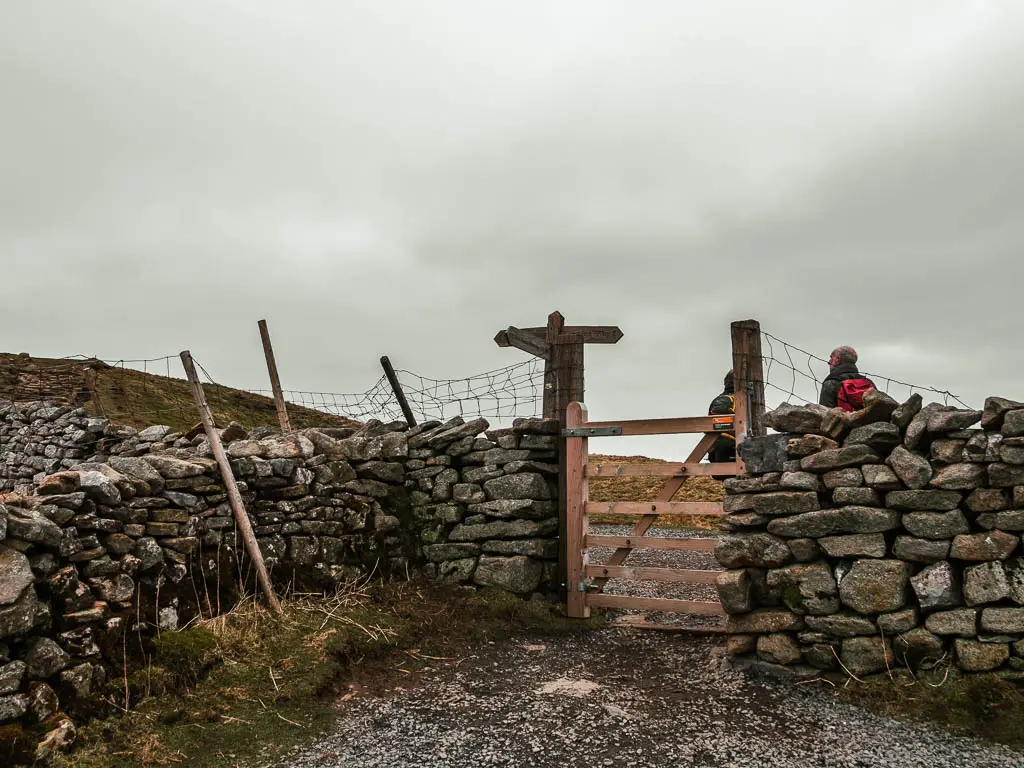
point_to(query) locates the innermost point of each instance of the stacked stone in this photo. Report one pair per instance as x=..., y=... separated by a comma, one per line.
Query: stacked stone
x=890, y=536
x=135, y=540
x=486, y=507
x=38, y=439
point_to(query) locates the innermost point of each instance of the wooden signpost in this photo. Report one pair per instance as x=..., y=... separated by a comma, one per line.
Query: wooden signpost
x=560, y=346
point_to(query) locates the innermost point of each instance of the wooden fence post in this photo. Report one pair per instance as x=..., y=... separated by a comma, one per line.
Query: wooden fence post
x=234, y=497
x=275, y=380
x=576, y=494
x=396, y=387
x=748, y=373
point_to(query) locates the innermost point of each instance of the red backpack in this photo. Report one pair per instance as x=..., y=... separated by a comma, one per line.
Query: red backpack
x=851, y=393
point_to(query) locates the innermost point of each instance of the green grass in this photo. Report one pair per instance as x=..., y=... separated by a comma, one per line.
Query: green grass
x=247, y=685
x=983, y=705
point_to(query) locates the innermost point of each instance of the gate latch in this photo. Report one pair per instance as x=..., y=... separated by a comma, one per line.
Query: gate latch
x=592, y=432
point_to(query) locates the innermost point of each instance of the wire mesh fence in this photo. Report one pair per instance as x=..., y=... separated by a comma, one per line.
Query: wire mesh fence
x=504, y=393
x=794, y=374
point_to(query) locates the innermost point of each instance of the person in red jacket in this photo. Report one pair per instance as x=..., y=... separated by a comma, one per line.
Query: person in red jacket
x=845, y=386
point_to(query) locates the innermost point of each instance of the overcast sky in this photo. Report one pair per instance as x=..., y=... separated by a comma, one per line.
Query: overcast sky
x=409, y=177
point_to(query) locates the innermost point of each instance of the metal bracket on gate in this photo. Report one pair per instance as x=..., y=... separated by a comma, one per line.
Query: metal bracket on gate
x=592, y=432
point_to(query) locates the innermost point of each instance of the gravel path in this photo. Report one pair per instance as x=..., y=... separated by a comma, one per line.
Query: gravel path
x=624, y=698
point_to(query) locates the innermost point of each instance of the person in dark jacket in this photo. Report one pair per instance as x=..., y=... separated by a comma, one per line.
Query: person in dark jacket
x=724, y=448
x=843, y=367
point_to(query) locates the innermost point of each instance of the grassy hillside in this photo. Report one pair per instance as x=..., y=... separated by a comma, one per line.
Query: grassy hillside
x=140, y=399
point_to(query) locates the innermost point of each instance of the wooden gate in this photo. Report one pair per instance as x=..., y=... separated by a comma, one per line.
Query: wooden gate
x=585, y=581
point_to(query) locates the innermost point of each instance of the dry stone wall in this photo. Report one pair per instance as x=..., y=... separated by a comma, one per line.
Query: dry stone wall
x=888, y=537
x=106, y=531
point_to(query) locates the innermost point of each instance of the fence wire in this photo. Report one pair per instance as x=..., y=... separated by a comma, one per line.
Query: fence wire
x=505, y=393
x=792, y=373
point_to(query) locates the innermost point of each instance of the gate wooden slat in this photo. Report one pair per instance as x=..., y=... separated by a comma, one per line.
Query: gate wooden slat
x=674, y=575
x=575, y=513
x=710, y=508
x=601, y=600
x=691, y=469
x=650, y=542
x=679, y=426
x=668, y=490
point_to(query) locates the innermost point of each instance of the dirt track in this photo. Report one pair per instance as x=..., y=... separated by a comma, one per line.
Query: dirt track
x=624, y=698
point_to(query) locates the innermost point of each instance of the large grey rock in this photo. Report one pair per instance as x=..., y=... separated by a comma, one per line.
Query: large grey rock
x=523, y=509
x=149, y=553
x=13, y=707
x=514, y=574
x=974, y=656
x=867, y=655
x=758, y=550
x=20, y=616
x=154, y=434
x=949, y=421
x=11, y=676
x=992, y=545
x=99, y=488
x=851, y=477
x=923, y=501
x=842, y=625
x=438, y=553
x=960, y=477
x=171, y=468
x=762, y=621
x=42, y=701
x=916, y=431
x=905, y=413
x=1005, y=475
x=15, y=575
x=937, y=586
x=806, y=588
x=139, y=469
x=899, y=621
x=936, y=525
x=880, y=477
x=839, y=458
x=59, y=483
x=1003, y=620
x=1013, y=423
x=913, y=470
x=46, y=659
x=545, y=549
x=920, y=550
x=778, y=648
x=1007, y=520
x=855, y=545
x=502, y=529
x=456, y=571
x=785, y=502
x=985, y=583
x=800, y=420
x=32, y=526
x=988, y=500
x=875, y=586
x=948, y=451
x=800, y=481
x=962, y=622
x=881, y=437
x=115, y=589
x=995, y=411
x=856, y=497
x=526, y=485
x=735, y=591
x=765, y=454
x=828, y=522
x=804, y=550
x=805, y=445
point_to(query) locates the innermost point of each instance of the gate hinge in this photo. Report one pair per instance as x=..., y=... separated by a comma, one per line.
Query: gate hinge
x=592, y=432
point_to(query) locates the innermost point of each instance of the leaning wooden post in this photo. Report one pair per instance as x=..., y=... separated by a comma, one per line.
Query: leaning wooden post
x=275, y=380
x=576, y=495
x=234, y=497
x=396, y=387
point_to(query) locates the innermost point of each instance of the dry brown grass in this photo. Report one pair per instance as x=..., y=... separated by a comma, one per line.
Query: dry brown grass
x=646, y=489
